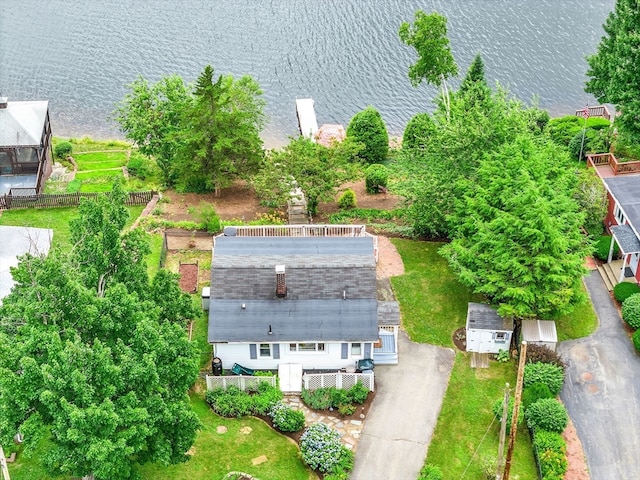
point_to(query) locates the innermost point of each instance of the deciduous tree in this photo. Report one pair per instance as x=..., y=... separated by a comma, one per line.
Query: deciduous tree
x=368, y=128
x=93, y=362
x=517, y=237
x=614, y=71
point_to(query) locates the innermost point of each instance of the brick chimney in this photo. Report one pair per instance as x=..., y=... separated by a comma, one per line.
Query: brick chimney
x=3, y=102
x=281, y=286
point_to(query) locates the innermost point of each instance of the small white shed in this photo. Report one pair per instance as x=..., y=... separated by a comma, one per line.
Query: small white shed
x=487, y=332
x=540, y=332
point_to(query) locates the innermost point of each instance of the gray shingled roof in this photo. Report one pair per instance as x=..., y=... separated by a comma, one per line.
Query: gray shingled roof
x=626, y=239
x=21, y=123
x=626, y=191
x=293, y=320
x=388, y=313
x=484, y=317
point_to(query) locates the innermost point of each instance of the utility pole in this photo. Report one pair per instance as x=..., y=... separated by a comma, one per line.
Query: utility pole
x=3, y=464
x=503, y=431
x=516, y=409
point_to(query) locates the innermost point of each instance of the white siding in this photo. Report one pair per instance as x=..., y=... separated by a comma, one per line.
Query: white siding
x=483, y=341
x=231, y=353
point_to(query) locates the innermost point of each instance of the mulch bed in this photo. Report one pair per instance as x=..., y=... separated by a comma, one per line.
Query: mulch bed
x=189, y=277
x=460, y=339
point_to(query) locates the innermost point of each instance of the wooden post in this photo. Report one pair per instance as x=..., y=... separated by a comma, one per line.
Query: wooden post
x=503, y=431
x=516, y=409
x=3, y=464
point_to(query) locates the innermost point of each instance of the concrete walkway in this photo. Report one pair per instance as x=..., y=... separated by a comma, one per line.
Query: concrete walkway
x=393, y=443
x=602, y=391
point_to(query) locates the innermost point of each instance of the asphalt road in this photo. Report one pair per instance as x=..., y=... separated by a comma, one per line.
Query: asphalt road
x=395, y=437
x=602, y=391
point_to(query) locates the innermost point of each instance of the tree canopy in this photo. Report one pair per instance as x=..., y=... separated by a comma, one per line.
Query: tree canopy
x=202, y=137
x=368, y=128
x=614, y=71
x=91, y=360
x=435, y=63
x=317, y=170
x=517, y=238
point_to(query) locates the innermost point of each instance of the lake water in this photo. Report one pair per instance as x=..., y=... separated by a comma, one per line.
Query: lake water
x=345, y=54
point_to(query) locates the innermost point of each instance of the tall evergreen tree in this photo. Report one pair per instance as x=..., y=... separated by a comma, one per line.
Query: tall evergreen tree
x=517, y=236
x=614, y=71
x=475, y=74
x=368, y=128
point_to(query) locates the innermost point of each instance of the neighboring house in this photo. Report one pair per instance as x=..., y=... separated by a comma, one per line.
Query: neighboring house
x=16, y=241
x=308, y=298
x=486, y=331
x=623, y=221
x=25, y=146
x=540, y=332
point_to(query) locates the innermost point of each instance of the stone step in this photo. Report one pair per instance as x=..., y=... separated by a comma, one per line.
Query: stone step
x=608, y=276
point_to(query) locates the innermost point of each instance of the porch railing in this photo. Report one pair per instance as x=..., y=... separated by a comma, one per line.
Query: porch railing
x=243, y=382
x=597, y=111
x=599, y=159
x=313, y=381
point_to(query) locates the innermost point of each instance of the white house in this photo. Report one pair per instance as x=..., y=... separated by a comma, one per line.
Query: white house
x=305, y=300
x=487, y=332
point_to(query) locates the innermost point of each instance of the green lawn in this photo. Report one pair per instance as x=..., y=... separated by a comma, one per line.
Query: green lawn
x=433, y=303
x=100, y=160
x=56, y=219
x=86, y=144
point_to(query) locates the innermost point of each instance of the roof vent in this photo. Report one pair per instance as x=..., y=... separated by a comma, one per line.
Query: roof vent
x=281, y=286
x=3, y=102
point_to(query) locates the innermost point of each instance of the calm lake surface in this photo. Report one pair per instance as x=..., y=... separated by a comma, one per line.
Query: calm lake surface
x=345, y=54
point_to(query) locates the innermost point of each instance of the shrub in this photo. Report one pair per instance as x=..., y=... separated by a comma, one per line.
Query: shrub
x=368, y=128
x=321, y=449
x=358, y=393
x=346, y=409
x=563, y=129
x=631, y=311
x=319, y=399
x=602, y=246
x=139, y=166
x=595, y=141
x=338, y=397
x=547, y=414
x=533, y=393
x=540, y=353
x=430, y=472
x=209, y=219
x=624, y=290
x=376, y=176
x=417, y=131
x=266, y=398
x=62, y=150
x=286, y=419
x=544, y=440
x=551, y=375
x=636, y=339
x=347, y=200
x=233, y=402
x=553, y=465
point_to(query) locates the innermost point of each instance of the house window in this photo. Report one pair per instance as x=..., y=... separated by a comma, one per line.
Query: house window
x=265, y=350
x=500, y=337
x=306, y=347
x=620, y=218
x=356, y=349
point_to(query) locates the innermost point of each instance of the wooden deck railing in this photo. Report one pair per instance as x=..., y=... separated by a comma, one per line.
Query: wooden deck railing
x=596, y=111
x=18, y=199
x=618, y=168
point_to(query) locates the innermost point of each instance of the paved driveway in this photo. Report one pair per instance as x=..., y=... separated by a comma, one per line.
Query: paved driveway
x=602, y=391
x=395, y=437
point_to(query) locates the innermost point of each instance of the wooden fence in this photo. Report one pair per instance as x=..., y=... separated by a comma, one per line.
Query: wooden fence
x=243, y=382
x=616, y=166
x=313, y=381
x=43, y=200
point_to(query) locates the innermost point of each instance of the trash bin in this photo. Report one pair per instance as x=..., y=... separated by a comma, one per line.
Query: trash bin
x=216, y=366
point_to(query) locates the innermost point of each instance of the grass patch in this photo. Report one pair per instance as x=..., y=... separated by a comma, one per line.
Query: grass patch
x=87, y=144
x=153, y=259
x=101, y=174
x=465, y=418
x=581, y=322
x=216, y=454
x=100, y=160
x=432, y=301
x=56, y=219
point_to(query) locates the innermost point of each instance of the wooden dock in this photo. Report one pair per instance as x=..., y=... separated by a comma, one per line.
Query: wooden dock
x=306, y=118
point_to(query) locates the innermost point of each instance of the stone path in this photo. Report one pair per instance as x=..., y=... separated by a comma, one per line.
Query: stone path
x=349, y=430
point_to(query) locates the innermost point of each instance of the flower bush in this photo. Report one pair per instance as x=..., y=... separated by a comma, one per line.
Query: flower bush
x=547, y=414
x=551, y=375
x=321, y=450
x=285, y=418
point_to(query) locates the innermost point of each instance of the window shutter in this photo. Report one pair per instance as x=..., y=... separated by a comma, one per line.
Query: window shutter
x=253, y=351
x=276, y=350
x=345, y=350
x=367, y=350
